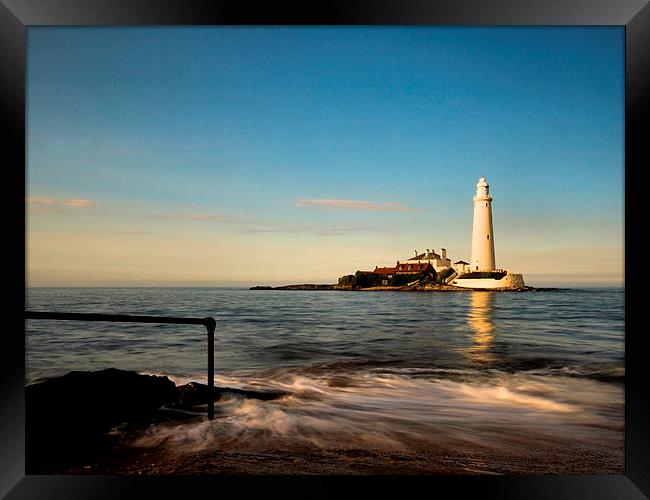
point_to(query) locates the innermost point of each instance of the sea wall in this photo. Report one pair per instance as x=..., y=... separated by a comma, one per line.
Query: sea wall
x=514, y=280
x=508, y=281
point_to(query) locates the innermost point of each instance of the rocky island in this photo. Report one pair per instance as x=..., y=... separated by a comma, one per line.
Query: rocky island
x=431, y=271
x=429, y=287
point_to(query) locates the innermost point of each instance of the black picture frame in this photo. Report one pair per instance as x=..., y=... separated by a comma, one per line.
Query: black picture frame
x=16, y=15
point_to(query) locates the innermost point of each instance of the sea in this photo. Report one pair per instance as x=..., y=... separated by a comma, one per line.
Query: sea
x=459, y=382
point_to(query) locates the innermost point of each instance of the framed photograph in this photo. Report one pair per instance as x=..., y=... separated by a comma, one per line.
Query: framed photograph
x=371, y=243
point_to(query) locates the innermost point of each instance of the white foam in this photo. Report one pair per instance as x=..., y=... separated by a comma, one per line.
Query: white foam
x=387, y=410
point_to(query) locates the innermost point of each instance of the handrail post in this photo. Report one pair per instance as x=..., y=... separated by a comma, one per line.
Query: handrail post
x=210, y=324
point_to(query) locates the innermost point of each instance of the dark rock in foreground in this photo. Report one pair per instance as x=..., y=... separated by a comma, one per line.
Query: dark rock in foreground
x=117, y=393
x=68, y=418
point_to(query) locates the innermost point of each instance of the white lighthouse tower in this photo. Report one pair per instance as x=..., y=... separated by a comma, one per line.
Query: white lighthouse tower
x=482, y=233
x=483, y=250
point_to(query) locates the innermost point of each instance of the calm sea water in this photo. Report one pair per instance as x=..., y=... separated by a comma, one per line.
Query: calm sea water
x=514, y=374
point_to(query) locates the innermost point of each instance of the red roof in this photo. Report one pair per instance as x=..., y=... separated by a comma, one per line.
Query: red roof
x=384, y=270
x=413, y=267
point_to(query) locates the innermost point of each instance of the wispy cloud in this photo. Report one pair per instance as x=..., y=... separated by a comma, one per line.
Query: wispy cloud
x=135, y=232
x=200, y=218
x=326, y=231
x=367, y=206
x=40, y=200
x=46, y=204
x=206, y=218
x=79, y=203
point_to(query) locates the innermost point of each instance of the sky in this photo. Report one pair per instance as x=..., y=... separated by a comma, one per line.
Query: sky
x=238, y=156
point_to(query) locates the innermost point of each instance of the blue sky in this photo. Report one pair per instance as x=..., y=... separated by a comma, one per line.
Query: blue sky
x=194, y=149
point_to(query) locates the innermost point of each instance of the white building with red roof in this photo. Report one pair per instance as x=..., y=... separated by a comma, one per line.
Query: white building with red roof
x=439, y=262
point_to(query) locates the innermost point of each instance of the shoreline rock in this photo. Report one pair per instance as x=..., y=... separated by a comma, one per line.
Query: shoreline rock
x=304, y=286
x=68, y=419
x=424, y=288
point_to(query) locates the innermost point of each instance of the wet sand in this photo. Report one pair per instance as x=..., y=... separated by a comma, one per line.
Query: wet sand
x=125, y=459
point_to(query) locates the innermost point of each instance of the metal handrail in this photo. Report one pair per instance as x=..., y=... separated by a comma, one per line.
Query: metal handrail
x=209, y=322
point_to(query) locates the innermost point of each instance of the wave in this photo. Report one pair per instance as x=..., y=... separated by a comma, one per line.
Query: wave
x=369, y=406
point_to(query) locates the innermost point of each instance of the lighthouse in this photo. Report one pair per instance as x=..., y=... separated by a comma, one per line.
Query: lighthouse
x=482, y=233
x=482, y=273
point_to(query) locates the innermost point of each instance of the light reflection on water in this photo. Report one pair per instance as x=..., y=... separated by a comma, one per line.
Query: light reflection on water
x=479, y=319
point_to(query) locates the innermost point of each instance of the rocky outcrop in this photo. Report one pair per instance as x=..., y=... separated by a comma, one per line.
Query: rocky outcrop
x=305, y=286
x=69, y=417
x=117, y=393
